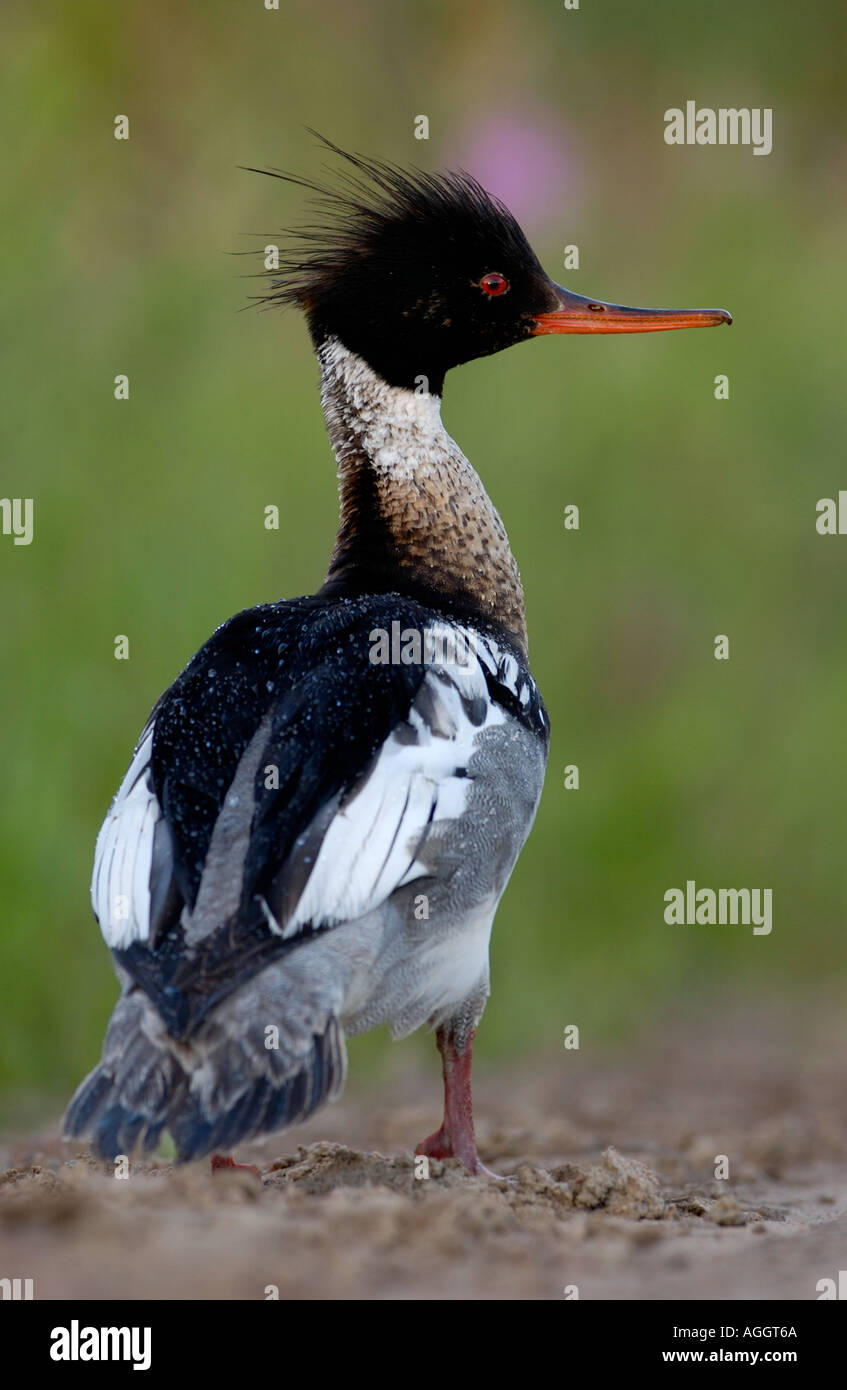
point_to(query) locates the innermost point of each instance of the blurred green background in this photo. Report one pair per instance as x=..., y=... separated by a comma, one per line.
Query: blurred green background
x=697, y=516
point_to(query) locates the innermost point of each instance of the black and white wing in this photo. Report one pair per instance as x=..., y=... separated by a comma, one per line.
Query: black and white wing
x=285, y=784
x=271, y=799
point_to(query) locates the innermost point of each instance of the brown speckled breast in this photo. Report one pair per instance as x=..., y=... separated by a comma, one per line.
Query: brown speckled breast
x=415, y=516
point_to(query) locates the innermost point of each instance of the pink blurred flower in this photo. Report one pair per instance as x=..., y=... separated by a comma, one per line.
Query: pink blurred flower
x=528, y=160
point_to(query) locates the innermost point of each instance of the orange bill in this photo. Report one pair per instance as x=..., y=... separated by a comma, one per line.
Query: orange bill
x=576, y=314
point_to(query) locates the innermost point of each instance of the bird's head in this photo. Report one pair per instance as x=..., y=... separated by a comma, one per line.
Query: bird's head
x=417, y=273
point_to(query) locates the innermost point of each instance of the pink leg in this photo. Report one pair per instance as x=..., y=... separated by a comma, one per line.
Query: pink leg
x=219, y=1161
x=455, y=1138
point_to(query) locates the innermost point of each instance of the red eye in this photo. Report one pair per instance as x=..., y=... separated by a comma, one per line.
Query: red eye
x=494, y=283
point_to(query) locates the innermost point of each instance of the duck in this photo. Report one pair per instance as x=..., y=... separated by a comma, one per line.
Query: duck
x=323, y=811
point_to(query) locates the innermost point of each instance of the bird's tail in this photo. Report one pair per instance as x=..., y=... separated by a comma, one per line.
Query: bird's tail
x=234, y=1081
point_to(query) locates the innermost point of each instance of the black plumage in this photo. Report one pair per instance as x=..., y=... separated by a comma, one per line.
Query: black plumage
x=391, y=261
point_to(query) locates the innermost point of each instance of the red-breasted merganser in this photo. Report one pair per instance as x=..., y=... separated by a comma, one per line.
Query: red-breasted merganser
x=324, y=809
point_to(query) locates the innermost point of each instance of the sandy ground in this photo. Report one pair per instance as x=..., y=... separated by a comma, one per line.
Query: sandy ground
x=612, y=1160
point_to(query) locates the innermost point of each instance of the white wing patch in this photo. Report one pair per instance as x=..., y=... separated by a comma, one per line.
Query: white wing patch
x=418, y=778
x=120, y=884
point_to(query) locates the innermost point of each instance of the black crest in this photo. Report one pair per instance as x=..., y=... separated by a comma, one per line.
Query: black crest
x=391, y=263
